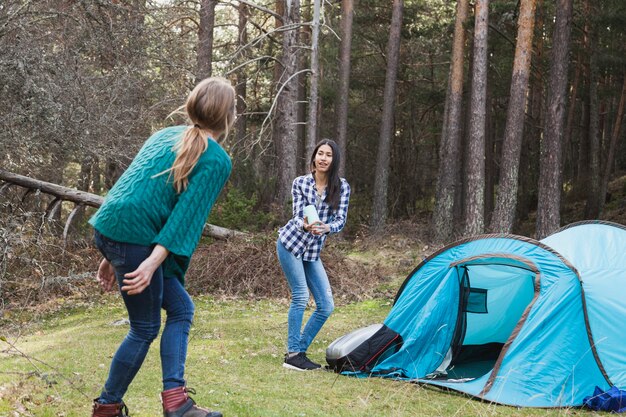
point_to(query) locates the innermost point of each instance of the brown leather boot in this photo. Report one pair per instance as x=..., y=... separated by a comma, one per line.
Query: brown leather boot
x=176, y=403
x=109, y=410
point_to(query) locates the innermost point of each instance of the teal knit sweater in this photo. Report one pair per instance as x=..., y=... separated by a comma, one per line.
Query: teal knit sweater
x=144, y=209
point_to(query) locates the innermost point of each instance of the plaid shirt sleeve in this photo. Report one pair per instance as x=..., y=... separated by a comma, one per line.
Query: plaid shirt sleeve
x=292, y=235
x=298, y=203
x=342, y=212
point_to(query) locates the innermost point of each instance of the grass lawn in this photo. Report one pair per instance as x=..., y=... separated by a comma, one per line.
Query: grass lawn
x=57, y=366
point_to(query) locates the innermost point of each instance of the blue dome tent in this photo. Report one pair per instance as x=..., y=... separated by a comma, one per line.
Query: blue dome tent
x=507, y=319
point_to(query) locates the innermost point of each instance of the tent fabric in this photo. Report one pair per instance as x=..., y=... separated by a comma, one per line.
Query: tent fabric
x=528, y=323
x=598, y=251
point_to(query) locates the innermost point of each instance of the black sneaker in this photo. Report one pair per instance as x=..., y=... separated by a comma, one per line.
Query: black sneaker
x=300, y=362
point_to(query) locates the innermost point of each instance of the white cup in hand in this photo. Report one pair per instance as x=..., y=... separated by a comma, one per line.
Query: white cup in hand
x=310, y=212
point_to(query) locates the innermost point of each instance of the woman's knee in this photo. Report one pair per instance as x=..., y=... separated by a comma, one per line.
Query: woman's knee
x=184, y=310
x=176, y=301
x=190, y=310
x=300, y=297
x=145, y=331
x=327, y=308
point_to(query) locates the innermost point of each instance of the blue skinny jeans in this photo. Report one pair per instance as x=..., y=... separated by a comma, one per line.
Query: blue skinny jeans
x=144, y=314
x=303, y=276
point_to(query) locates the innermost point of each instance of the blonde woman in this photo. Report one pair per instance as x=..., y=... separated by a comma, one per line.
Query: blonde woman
x=148, y=228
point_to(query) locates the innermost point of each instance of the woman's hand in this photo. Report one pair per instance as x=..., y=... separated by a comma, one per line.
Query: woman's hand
x=310, y=227
x=106, y=275
x=305, y=224
x=137, y=281
x=317, y=228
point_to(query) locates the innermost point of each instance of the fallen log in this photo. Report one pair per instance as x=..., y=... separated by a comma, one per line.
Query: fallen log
x=80, y=198
x=64, y=193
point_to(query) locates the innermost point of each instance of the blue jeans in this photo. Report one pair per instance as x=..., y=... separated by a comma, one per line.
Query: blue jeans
x=144, y=314
x=303, y=276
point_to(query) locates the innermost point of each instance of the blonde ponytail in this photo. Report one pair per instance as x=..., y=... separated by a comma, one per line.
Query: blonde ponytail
x=188, y=151
x=210, y=106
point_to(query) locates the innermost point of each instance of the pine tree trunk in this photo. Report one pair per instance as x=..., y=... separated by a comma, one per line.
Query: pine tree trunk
x=615, y=134
x=568, y=146
x=492, y=149
x=506, y=202
x=475, y=170
x=301, y=129
x=379, y=212
x=592, y=208
x=347, y=15
x=242, y=79
x=529, y=160
x=205, y=39
x=450, y=146
x=286, y=106
x=311, y=139
x=550, y=177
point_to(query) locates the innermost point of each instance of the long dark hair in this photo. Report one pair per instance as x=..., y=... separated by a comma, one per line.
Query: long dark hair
x=333, y=195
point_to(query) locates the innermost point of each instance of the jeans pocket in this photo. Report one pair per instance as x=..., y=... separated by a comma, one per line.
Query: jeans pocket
x=112, y=250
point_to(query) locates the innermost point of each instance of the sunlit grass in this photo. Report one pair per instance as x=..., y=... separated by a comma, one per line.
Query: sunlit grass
x=235, y=357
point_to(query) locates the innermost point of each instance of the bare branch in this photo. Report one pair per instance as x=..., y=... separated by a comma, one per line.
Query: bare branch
x=263, y=9
x=269, y=113
x=250, y=61
x=258, y=39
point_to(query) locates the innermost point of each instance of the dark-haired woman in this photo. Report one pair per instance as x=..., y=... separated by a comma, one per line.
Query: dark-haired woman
x=148, y=228
x=299, y=245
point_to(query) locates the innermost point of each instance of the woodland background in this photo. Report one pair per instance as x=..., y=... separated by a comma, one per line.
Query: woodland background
x=459, y=117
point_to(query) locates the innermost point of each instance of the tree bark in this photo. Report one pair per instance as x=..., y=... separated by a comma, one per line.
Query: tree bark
x=568, y=145
x=550, y=170
x=475, y=198
x=493, y=150
x=610, y=159
x=315, y=77
x=305, y=35
x=345, y=46
x=205, y=39
x=592, y=208
x=242, y=79
x=379, y=212
x=506, y=202
x=286, y=106
x=450, y=146
x=529, y=159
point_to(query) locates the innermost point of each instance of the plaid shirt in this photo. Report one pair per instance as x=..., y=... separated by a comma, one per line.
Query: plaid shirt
x=297, y=240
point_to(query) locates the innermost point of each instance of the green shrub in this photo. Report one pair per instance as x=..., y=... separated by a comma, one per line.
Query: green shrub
x=235, y=210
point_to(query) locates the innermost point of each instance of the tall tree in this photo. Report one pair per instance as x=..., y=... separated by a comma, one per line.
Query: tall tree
x=312, y=130
x=615, y=134
x=550, y=169
x=449, y=148
x=475, y=169
x=592, y=208
x=506, y=202
x=345, y=46
x=242, y=78
x=205, y=39
x=529, y=158
x=379, y=211
x=568, y=140
x=286, y=103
